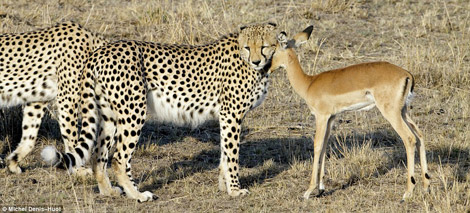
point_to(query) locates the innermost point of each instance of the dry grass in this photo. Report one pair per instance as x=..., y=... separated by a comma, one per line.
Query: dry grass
x=365, y=165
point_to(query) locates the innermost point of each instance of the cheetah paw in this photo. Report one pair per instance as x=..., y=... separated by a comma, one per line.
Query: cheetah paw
x=13, y=166
x=238, y=192
x=15, y=169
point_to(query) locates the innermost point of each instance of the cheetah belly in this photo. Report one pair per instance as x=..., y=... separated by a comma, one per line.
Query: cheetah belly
x=168, y=112
x=32, y=89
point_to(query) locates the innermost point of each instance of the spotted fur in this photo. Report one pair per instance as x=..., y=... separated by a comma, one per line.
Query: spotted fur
x=38, y=67
x=183, y=85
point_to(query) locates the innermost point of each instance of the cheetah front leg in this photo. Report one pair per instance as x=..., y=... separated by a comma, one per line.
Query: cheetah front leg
x=229, y=139
x=32, y=116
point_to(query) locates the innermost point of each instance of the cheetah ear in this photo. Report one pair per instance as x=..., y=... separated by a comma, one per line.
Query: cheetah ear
x=242, y=27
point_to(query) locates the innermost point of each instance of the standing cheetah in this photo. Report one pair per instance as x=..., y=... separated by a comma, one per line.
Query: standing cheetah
x=183, y=85
x=37, y=67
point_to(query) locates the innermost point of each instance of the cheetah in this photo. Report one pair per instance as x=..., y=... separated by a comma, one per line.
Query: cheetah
x=38, y=67
x=182, y=84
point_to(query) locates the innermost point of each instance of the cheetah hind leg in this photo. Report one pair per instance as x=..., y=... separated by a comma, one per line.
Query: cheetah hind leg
x=121, y=163
x=101, y=176
x=106, y=141
x=128, y=186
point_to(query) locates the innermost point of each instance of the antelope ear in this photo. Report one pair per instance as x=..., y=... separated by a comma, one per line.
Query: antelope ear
x=308, y=31
x=302, y=37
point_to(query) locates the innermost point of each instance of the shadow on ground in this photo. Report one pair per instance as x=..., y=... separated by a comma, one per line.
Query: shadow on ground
x=283, y=152
x=11, y=130
x=254, y=152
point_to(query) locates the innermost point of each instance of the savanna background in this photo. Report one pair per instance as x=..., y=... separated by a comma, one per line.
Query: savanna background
x=365, y=168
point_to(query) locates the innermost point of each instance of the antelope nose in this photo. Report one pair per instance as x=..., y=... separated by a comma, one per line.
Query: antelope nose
x=256, y=62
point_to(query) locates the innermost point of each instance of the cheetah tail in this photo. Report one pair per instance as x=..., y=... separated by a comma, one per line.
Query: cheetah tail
x=52, y=157
x=89, y=109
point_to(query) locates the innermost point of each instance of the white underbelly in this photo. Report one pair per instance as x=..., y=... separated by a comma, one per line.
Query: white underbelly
x=359, y=107
x=366, y=104
x=43, y=89
x=169, y=112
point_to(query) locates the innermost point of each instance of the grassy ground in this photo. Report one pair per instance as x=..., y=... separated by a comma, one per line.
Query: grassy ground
x=365, y=169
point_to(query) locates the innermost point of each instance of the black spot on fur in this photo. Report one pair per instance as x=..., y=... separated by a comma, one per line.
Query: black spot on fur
x=79, y=152
x=15, y=158
x=85, y=146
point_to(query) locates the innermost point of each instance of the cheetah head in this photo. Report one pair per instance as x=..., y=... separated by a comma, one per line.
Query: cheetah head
x=257, y=44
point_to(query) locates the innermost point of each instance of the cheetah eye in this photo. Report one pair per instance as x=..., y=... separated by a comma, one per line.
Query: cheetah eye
x=264, y=46
x=247, y=48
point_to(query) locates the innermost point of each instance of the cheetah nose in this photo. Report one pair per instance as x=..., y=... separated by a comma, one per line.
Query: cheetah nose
x=256, y=62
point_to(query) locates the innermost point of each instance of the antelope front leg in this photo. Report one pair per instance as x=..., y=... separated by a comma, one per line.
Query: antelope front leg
x=318, y=145
x=321, y=186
